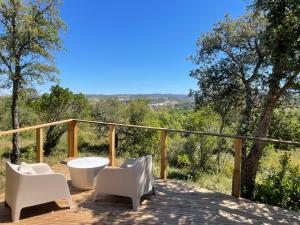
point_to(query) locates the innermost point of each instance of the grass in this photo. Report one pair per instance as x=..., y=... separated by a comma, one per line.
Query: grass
x=218, y=182
x=270, y=162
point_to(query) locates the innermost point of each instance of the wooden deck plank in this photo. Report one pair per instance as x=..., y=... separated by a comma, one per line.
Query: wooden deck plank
x=174, y=203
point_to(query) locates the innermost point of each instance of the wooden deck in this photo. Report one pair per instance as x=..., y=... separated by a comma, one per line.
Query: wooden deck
x=174, y=203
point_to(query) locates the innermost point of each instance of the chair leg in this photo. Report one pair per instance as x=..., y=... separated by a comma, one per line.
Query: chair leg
x=135, y=203
x=15, y=213
x=70, y=203
x=94, y=196
x=153, y=191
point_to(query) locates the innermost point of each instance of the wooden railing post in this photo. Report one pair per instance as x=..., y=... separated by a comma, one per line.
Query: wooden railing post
x=112, y=144
x=72, y=139
x=39, y=145
x=236, y=182
x=163, y=152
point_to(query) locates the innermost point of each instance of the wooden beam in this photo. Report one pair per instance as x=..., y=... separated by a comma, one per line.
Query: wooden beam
x=69, y=133
x=4, y=133
x=72, y=139
x=112, y=144
x=163, y=152
x=39, y=145
x=236, y=181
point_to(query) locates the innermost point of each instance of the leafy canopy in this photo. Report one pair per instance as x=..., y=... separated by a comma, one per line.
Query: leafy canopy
x=59, y=104
x=29, y=34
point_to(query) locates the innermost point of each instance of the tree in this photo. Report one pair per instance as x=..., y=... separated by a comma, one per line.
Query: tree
x=140, y=142
x=258, y=52
x=29, y=35
x=211, y=94
x=230, y=61
x=27, y=115
x=282, y=45
x=230, y=66
x=60, y=104
x=285, y=125
x=110, y=110
x=201, y=148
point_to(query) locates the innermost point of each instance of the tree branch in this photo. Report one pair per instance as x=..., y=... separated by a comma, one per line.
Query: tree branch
x=42, y=11
x=240, y=67
x=3, y=58
x=255, y=74
x=289, y=83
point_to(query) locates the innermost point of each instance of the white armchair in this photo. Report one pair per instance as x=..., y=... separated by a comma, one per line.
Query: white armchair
x=32, y=185
x=133, y=179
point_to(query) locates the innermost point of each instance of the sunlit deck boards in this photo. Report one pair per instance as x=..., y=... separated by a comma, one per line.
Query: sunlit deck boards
x=175, y=203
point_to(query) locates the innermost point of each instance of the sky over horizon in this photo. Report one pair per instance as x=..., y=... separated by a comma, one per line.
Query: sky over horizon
x=134, y=46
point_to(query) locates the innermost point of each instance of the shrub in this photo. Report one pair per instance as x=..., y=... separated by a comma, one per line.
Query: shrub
x=183, y=161
x=281, y=187
x=59, y=104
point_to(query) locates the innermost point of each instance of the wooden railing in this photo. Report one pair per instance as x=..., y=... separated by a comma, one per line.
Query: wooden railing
x=72, y=132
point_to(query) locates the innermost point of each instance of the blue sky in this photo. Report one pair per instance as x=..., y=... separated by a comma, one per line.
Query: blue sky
x=134, y=46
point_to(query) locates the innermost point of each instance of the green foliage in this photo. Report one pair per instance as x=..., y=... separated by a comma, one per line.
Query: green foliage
x=183, y=161
x=245, y=66
x=134, y=142
x=27, y=114
x=5, y=118
x=29, y=35
x=192, y=158
x=59, y=104
x=281, y=187
x=204, y=119
x=281, y=37
x=109, y=110
x=140, y=142
x=195, y=152
x=285, y=125
x=172, y=118
x=229, y=65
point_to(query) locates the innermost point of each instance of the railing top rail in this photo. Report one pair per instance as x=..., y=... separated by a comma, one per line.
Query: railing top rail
x=270, y=140
x=4, y=133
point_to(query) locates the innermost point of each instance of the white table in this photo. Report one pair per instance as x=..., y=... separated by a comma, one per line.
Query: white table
x=83, y=171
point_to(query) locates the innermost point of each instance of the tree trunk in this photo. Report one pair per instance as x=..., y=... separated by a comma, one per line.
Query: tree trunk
x=15, y=155
x=52, y=139
x=250, y=163
x=244, y=125
x=247, y=110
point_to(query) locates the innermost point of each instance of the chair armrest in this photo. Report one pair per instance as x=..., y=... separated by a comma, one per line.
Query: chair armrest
x=116, y=172
x=115, y=175
x=41, y=168
x=51, y=179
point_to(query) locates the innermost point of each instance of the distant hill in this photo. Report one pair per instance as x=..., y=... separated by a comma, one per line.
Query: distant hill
x=142, y=96
x=177, y=96
x=156, y=100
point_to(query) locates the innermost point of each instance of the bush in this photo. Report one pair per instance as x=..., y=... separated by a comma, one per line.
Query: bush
x=183, y=161
x=59, y=104
x=282, y=187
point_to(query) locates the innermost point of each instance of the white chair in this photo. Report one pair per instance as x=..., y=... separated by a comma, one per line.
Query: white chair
x=33, y=184
x=133, y=179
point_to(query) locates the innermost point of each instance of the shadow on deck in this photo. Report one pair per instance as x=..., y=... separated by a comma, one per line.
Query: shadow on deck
x=174, y=203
